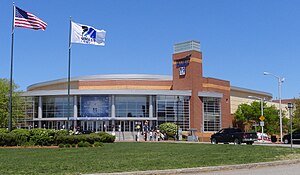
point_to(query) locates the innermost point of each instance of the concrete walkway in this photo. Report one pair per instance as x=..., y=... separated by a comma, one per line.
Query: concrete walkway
x=201, y=170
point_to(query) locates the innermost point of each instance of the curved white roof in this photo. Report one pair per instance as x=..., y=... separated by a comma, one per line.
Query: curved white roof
x=106, y=77
x=152, y=77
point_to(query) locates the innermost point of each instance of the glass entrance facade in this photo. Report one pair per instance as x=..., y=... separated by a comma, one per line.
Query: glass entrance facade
x=109, y=112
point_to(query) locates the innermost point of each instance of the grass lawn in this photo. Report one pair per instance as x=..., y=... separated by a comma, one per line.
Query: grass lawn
x=118, y=157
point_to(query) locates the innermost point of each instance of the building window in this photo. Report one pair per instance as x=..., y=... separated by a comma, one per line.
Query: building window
x=132, y=106
x=31, y=107
x=56, y=106
x=212, y=113
x=94, y=106
x=173, y=109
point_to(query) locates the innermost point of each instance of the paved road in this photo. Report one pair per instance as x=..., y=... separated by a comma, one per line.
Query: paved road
x=292, y=169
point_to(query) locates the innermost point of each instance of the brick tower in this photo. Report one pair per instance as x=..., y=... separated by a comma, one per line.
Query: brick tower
x=187, y=75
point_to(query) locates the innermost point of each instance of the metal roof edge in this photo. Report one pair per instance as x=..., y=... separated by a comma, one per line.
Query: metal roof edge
x=251, y=91
x=105, y=77
x=107, y=92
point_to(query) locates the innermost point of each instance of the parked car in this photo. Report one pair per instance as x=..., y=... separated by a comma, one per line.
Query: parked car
x=85, y=132
x=235, y=135
x=263, y=137
x=296, y=137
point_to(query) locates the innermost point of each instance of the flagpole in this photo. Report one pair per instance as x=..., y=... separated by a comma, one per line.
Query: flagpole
x=69, y=73
x=11, y=70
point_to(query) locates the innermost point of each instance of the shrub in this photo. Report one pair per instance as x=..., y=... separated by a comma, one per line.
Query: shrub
x=70, y=139
x=7, y=139
x=46, y=137
x=3, y=130
x=98, y=144
x=80, y=138
x=74, y=145
x=84, y=144
x=61, y=133
x=169, y=128
x=59, y=140
x=29, y=143
x=67, y=145
x=87, y=144
x=61, y=145
x=106, y=138
x=81, y=144
x=22, y=136
x=92, y=138
x=42, y=137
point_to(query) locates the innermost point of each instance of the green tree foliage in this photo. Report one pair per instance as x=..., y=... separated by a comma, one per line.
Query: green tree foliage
x=296, y=114
x=248, y=114
x=169, y=128
x=18, y=103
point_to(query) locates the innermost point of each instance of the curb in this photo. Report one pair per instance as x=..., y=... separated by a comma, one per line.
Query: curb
x=204, y=169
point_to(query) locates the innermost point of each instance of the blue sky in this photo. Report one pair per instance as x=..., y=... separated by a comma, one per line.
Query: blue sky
x=239, y=40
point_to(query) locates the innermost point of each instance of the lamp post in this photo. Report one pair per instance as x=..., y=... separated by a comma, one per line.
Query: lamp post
x=177, y=136
x=291, y=106
x=280, y=81
x=262, y=114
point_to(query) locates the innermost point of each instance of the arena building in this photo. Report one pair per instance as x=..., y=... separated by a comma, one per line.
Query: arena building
x=120, y=102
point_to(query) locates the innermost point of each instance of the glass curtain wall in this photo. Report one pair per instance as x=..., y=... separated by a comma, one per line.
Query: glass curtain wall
x=174, y=109
x=212, y=114
x=31, y=111
x=57, y=106
x=23, y=112
x=132, y=106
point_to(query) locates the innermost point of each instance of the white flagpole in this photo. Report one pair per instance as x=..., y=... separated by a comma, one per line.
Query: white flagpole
x=69, y=75
x=11, y=70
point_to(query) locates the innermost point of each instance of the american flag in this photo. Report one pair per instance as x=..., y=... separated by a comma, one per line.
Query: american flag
x=27, y=20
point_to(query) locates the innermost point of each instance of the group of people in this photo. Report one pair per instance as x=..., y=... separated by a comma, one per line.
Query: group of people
x=149, y=133
x=153, y=135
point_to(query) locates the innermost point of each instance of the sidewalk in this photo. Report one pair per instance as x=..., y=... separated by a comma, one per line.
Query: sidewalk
x=200, y=170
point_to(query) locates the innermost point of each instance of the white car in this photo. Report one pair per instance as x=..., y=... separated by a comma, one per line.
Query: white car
x=263, y=137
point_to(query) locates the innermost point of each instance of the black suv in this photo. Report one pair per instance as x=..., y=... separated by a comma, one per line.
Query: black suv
x=296, y=137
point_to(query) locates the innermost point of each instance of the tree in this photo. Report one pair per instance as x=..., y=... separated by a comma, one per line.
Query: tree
x=18, y=103
x=296, y=115
x=247, y=114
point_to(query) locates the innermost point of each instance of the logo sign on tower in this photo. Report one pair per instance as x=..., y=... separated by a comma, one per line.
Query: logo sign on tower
x=182, y=63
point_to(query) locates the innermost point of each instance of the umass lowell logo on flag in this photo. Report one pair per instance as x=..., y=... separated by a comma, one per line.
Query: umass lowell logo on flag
x=88, y=34
x=85, y=34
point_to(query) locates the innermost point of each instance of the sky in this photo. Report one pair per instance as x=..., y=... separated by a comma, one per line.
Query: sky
x=239, y=40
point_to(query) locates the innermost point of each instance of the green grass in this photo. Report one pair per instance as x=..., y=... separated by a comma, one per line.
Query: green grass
x=118, y=157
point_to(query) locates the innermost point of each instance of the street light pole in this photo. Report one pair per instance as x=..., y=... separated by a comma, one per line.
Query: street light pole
x=280, y=81
x=262, y=114
x=291, y=106
x=177, y=136
x=280, y=110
